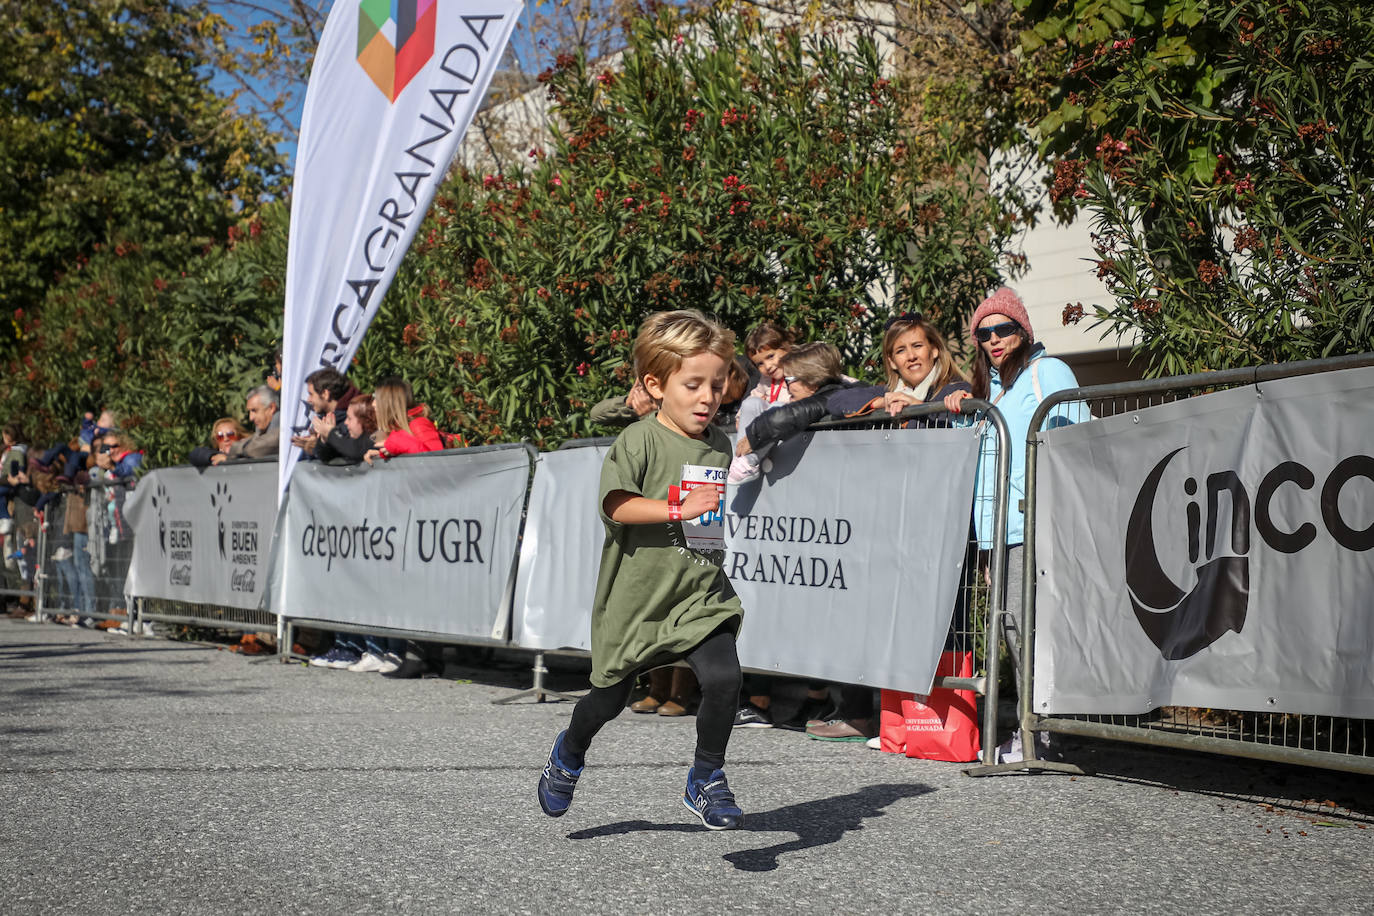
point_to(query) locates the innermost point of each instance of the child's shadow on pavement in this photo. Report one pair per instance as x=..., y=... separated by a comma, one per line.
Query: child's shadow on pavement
x=816, y=823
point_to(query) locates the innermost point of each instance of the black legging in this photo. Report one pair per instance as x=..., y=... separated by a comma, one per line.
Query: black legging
x=716, y=666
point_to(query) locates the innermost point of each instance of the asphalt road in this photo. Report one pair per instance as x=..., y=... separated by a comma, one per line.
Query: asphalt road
x=141, y=775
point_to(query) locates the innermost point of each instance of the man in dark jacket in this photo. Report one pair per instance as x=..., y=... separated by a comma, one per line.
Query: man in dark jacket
x=329, y=392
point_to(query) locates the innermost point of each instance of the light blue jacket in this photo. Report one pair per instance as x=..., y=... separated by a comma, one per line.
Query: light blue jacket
x=1016, y=406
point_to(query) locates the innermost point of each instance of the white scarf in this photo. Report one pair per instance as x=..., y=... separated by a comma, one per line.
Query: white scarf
x=919, y=392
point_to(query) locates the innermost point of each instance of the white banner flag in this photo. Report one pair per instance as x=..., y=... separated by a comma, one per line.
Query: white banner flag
x=394, y=87
x=1213, y=552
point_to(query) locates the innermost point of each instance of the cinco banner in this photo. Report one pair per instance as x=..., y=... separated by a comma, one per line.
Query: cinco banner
x=393, y=89
x=203, y=536
x=1213, y=552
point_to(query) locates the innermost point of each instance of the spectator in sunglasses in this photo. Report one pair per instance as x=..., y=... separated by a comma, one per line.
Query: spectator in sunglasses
x=225, y=432
x=116, y=454
x=1014, y=374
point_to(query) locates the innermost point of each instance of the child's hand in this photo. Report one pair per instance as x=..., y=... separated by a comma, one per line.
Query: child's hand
x=371, y=454
x=638, y=400
x=700, y=501
x=743, y=448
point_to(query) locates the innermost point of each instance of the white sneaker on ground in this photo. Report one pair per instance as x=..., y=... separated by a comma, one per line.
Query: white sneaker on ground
x=875, y=743
x=369, y=662
x=390, y=662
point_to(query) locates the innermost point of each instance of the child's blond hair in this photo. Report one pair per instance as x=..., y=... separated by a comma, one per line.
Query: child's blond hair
x=812, y=364
x=667, y=338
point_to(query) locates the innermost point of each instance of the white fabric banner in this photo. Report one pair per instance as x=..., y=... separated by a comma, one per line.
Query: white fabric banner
x=560, y=552
x=1213, y=552
x=394, y=87
x=422, y=542
x=203, y=536
x=846, y=556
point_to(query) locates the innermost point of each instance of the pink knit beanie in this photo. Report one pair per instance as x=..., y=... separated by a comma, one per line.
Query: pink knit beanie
x=1003, y=302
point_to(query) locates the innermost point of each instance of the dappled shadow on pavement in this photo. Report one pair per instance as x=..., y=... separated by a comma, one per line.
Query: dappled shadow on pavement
x=821, y=822
x=1306, y=792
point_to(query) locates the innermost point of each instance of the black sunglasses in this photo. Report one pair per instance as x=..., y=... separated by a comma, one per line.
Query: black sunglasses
x=1005, y=329
x=905, y=317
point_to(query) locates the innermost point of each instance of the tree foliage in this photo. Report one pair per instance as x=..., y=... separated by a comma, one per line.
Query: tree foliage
x=1225, y=155
x=751, y=172
x=112, y=136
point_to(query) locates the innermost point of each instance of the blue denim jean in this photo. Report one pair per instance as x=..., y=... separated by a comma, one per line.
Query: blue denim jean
x=84, y=594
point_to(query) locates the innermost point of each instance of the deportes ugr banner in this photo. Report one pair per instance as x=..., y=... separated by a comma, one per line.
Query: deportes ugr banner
x=394, y=87
x=1213, y=552
x=422, y=542
x=203, y=536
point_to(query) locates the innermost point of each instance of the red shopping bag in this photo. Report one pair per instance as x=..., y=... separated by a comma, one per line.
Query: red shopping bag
x=944, y=725
x=892, y=722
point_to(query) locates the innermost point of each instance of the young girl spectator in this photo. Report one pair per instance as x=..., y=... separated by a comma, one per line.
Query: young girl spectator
x=812, y=373
x=1011, y=371
x=404, y=424
x=920, y=370
x=765, y=346
x=658, y=598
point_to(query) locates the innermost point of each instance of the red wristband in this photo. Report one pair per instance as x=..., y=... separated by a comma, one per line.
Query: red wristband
x=674, y=512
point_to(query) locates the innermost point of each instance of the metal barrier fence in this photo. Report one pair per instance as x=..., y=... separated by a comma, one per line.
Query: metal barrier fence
x=973, y=626
x=1311, y=740
x=84, y=549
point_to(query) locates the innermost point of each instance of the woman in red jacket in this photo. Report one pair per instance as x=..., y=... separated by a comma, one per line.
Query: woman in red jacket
x=403, y=422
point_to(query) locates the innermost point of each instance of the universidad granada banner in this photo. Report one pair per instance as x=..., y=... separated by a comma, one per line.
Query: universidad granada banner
x=1212, y=552
x=394, y=87
x=847, y=554
x=203, y=536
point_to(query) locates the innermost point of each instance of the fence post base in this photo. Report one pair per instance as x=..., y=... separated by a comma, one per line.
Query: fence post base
x=537, y=689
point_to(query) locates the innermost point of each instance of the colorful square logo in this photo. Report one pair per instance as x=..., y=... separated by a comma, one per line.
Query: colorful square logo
x=395, y=40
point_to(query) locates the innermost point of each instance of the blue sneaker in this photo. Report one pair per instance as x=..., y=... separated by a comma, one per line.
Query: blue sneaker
x=556, y=783
x=335, y=658
x=713, y=802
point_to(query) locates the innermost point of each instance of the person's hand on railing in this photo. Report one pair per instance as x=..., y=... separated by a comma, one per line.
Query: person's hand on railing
x=952, y=400
x=895, y=402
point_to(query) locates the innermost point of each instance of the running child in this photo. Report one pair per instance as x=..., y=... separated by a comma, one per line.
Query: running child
x=659, y=598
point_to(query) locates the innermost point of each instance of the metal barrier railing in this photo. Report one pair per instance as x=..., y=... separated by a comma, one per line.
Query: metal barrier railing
x=1312, y=740
x=84, y=553
x=978, y=608
x=973, y=628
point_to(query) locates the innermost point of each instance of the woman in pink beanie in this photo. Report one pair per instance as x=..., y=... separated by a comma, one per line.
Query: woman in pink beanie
x=1013, y=373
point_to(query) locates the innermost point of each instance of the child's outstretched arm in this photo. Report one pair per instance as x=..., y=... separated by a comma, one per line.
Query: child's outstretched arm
x=631, y=509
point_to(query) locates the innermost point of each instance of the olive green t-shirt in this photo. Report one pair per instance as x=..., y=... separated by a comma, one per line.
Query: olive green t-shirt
x=656, y=598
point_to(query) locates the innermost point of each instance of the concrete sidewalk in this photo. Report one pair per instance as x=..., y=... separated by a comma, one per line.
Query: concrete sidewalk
x=152, y=776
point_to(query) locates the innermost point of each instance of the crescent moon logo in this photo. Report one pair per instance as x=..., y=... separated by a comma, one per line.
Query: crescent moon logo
x=1181, y=624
